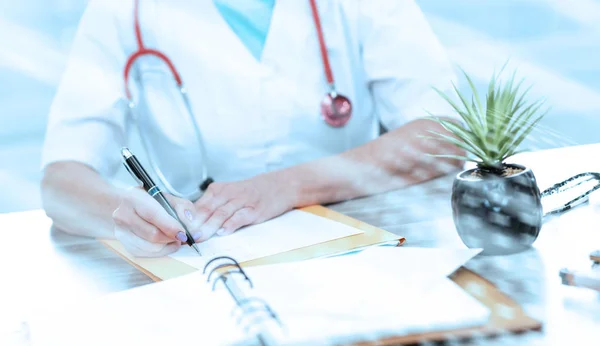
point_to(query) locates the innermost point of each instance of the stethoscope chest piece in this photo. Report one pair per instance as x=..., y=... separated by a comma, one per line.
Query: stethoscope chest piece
x=336, y=109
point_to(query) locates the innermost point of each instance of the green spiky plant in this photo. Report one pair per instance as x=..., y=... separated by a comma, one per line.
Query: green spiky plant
x=492, y=132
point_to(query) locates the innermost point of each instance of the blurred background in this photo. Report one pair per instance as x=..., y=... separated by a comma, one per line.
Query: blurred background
x=555, y=44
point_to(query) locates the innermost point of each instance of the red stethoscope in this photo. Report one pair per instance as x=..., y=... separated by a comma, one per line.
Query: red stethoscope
x=336, y=109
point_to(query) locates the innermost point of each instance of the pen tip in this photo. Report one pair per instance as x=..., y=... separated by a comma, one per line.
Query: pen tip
x=196, y=248
x=126, y=153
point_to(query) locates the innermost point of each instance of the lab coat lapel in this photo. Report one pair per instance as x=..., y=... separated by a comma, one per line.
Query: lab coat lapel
x=292, y=53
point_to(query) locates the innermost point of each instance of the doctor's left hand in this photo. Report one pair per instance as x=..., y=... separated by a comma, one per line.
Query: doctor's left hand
x=227, y=206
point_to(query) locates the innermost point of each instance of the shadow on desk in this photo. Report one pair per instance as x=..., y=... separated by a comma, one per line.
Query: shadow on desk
x=85, y=254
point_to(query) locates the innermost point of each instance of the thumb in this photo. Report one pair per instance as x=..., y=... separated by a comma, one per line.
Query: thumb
x=139, y=247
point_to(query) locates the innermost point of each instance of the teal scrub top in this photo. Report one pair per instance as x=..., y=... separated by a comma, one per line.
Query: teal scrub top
x=250, y=20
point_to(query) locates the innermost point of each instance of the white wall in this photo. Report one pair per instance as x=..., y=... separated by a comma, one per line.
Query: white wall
x=554, y=44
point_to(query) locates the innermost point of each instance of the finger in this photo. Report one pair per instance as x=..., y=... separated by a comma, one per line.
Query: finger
x=186, y=211
x=242, y=217
x=152, y=212
x=141, y=248
x=217, y=219
x=212, y=199
x=146, y=231
x=126, y=217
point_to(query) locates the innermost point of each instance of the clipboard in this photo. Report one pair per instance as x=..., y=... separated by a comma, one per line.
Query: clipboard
x=506, y=315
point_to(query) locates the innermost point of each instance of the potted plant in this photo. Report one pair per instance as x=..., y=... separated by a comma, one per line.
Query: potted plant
x=496, y=205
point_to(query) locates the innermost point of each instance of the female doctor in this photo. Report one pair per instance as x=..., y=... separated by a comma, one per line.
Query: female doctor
x=279, y=102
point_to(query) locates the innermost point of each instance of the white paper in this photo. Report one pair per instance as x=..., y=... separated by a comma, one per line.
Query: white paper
x=180, y=311
x=379, y=292
x=364, y=296
x=363, y=312
x=412, y=262
x=292, y=230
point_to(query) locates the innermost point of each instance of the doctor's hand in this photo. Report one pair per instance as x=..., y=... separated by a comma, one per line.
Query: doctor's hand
x=144, y=227
x=226, y=207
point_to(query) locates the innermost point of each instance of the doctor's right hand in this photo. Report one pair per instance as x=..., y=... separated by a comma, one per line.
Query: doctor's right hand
x=145, y=228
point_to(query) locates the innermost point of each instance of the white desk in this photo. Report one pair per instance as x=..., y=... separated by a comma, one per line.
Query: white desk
x=44, y=267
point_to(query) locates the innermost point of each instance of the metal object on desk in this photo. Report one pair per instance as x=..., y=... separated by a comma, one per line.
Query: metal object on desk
x=572, y=183
x=595, y=257
x=589, y=278
x=581, y=278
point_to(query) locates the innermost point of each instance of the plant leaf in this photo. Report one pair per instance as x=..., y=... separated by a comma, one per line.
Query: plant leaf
x=472, y=114
x=465, y=145
x=517, y=125
x=469, y=121
x=503, y=104
x=526, y=115
x=479, y=107
x=513, y=153
x=459, y=130
x=506, y=120
x=526, y=132
x=463, y=133
x=494, y=131
x=457, y=157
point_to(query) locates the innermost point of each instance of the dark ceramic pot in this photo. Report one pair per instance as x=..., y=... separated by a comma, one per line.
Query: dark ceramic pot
x=501, y=215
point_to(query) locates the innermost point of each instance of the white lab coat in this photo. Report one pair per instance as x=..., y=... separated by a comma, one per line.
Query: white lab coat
x=256, y=116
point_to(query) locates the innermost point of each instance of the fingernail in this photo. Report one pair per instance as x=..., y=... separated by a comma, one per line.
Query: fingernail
x=197, y=236
x=181, y=236
x=221, y=231
x=189, y=215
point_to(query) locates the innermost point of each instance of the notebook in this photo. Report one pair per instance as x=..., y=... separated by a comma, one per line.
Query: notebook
x=349, y=299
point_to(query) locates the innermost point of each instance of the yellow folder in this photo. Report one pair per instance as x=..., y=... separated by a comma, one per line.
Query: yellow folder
x=166, y=267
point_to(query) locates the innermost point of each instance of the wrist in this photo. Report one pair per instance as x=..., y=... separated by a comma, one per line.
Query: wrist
x=287, y=185
x=305, y=185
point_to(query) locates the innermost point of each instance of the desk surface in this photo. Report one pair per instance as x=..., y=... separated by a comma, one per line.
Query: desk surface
x=54, y=267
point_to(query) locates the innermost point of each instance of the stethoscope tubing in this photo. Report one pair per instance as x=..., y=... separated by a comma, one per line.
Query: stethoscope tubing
x=142, y=50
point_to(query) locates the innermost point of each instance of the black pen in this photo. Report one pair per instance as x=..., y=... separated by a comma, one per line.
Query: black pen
x=139, y=173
